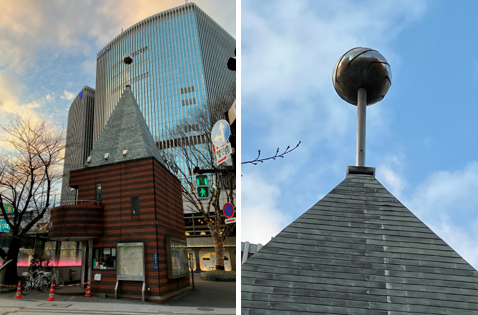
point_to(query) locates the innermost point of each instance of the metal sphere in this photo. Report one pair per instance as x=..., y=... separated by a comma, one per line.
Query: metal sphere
x=362, y=68
x=127, y=59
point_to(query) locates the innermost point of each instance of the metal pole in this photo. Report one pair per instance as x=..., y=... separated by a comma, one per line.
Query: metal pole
x=361, y=124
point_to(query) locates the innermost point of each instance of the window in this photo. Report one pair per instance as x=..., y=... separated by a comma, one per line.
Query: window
x=98, y=191
x=104, y=258
x=134, y=205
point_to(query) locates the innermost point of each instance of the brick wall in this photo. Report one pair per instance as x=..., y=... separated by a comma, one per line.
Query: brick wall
x=76, y=221
x=160, y=215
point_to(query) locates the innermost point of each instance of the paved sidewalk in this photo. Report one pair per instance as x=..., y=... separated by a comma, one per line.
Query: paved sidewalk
x=207, y=298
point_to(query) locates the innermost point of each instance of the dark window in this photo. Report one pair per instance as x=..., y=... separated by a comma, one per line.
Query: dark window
x=134, y=205
x=104, y=258
x=98, y=191
x=192, y=88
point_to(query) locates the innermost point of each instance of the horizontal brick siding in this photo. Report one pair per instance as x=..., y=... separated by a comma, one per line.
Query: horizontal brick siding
x=85, y=220
x=161, y=215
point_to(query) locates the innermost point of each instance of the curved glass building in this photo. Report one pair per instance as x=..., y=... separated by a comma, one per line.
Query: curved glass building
x=79, y=137
x=179, y=64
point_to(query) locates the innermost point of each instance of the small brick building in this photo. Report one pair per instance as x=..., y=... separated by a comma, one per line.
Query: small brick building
x=126, y=195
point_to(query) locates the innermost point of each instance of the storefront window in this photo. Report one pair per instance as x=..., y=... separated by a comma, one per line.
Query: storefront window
x=104, y=258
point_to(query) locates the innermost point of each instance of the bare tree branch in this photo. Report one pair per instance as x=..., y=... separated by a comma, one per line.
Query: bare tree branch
x=277, y=155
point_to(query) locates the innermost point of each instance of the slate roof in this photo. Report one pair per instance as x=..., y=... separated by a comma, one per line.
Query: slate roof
x=126, y=129
x=358, y=251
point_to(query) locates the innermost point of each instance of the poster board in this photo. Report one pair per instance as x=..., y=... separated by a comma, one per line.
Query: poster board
x=177, y=255
x=130, y=259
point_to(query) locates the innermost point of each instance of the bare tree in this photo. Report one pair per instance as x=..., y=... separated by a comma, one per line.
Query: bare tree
x=258, y=159
x=190, y=146
x=29, y=173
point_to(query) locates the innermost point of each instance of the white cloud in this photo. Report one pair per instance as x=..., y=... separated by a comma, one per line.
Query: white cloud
x=461, y=240
x=289, y=52
x=389, y=173
x=68, y=95
x=447, y=201
x=261, y=218
x=62, y=27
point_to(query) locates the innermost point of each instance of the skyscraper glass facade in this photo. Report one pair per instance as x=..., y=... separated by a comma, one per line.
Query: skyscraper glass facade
x=79, y=138
x=179, y=64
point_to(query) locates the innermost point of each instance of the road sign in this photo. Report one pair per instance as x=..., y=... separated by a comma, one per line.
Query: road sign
x=224, y=151
x=231, y=220
x=228, y=210
x=220, y=132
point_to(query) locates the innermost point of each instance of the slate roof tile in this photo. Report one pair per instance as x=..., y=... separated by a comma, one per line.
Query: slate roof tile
x=358, y=251
x=126, y=129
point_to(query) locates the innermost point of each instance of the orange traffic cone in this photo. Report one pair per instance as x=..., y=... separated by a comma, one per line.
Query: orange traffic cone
x=51, y=297
x=88, y=290
x=19, y=292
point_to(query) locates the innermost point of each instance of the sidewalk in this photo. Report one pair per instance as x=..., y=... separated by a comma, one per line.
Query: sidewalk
x=207, y=298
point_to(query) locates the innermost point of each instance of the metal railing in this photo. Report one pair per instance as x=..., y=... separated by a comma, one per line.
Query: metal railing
x=78, y=202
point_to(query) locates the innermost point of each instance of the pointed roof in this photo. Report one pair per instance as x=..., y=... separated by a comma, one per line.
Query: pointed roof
x=126, y=129
x=358, y=251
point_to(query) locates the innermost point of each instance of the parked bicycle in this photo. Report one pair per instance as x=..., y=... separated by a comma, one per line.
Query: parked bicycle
x=55, y=279
x=30, y=282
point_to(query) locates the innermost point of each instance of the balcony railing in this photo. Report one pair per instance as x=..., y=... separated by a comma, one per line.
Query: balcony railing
x=79, y=202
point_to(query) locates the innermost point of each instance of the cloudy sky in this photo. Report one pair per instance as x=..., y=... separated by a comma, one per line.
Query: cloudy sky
x=48, y=48
x=422, y=137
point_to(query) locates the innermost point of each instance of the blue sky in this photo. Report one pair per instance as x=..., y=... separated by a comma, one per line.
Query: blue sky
x=421, y=137
x=48, y=48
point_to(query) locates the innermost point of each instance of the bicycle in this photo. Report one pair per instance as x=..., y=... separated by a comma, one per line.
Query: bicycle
x=40, y=281
x=55, y=279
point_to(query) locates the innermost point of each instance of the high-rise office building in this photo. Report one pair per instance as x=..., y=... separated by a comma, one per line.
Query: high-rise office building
x=179, y=64
x=79, y=137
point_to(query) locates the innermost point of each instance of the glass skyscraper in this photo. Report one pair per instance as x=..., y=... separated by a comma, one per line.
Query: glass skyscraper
x=179, y=64
x=79, y=138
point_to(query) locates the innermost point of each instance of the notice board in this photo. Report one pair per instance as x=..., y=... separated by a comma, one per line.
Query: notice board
x=130, y=258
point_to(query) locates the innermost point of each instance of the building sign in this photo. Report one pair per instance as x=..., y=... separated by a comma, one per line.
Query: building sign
x=130, y=258
x=81, y=94
x=177, y=255
x=102, y=52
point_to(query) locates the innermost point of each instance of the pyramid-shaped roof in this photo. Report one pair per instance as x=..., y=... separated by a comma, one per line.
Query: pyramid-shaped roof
x=358, y=251
x=126, y=129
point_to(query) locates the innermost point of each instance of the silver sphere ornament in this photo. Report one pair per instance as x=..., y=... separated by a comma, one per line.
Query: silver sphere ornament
x=362, y=68
x=127, y=59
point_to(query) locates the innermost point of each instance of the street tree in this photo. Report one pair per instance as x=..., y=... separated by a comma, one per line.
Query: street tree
x=191, y=147
x=30, y=171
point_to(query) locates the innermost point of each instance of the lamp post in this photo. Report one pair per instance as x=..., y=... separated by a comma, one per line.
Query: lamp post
x=362, y=77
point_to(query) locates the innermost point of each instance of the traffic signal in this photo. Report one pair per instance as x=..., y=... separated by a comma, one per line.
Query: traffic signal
x=202, y=187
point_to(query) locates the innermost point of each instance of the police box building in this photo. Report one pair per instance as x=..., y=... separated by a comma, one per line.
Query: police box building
x=180, y=58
